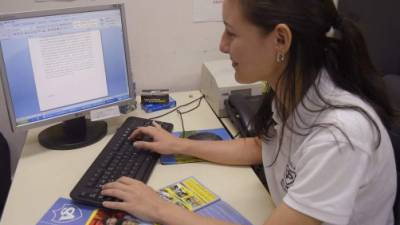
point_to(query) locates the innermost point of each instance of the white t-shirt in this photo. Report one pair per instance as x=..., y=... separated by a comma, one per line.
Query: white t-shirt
x=319, y=174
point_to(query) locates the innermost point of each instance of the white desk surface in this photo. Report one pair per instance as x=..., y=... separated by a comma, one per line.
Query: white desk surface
x=43, y=175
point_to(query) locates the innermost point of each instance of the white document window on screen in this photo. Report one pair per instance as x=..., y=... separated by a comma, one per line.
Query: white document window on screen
x=65, y=62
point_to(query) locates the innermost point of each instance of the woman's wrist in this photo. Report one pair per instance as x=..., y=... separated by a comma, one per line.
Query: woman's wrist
x=182, y=146
x=166, y=213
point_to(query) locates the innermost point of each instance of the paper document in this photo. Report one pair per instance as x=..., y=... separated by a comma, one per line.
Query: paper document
x=68, y=69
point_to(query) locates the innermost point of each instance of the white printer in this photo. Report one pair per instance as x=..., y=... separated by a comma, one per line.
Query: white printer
x=218, y=82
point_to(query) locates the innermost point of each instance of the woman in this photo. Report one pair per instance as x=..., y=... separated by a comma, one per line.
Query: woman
x=321, y=130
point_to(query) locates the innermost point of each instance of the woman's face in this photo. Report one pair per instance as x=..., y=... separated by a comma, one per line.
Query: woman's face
x=252, y=52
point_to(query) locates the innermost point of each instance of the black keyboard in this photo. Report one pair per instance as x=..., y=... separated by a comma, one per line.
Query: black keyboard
x=119, y=158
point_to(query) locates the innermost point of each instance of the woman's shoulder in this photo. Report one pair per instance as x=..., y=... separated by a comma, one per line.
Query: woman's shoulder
x=355, y=118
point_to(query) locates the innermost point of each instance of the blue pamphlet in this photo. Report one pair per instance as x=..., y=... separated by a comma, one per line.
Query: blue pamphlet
x=188, y=193
x=65, y=211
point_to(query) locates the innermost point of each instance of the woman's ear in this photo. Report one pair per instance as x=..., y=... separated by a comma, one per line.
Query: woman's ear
x=283, y=38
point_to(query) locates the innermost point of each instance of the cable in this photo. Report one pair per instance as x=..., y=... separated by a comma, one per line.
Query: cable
x=180, y=113
x=171, y=111
x=197, y=106
x=190, y=110
x=183, y=126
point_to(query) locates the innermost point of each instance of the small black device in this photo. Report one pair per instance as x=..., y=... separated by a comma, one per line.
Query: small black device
x=154, y=96
x=241, y=109
x=118, y=158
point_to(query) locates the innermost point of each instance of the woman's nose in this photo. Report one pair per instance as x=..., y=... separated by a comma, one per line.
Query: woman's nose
x=224, y=44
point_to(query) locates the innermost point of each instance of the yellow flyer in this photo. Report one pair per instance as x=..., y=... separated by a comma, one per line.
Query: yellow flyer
x=189, y=193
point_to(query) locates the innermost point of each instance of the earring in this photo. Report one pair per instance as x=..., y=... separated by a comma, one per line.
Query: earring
x=280, y=57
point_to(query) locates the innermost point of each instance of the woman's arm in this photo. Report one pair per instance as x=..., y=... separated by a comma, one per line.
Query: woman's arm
x=246, y=151
x=141, y=201
x=284, y=215
x=243, y=151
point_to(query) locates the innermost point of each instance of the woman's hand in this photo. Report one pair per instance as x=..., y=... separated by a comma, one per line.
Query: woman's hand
x=163, y=141
x=137, y=198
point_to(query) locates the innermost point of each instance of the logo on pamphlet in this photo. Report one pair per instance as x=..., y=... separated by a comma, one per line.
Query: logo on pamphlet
x=66, y=214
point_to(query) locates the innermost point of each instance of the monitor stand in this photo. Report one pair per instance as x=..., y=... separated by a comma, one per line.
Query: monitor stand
x=73, y=134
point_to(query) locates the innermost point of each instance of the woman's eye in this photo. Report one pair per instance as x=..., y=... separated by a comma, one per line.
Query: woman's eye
x=230, y=34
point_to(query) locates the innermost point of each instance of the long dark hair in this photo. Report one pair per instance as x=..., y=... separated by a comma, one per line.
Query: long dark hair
x=344, y=56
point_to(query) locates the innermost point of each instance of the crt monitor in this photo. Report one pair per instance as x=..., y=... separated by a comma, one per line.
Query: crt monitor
x=58, y=65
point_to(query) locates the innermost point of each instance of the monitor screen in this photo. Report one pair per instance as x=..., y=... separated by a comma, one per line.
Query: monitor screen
x=61, y=64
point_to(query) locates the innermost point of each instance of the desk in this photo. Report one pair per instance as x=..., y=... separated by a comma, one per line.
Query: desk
x=42, y=176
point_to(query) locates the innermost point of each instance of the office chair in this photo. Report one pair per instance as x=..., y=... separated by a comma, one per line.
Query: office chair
x=379, y=22
x=5, y=172
x=393, y=83
x=395, y=137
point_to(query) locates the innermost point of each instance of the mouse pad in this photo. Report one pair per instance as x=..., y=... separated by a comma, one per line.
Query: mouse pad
x=177, y=159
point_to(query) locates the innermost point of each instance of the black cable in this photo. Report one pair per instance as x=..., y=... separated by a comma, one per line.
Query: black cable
x=180, y=113
x=190, y=110
x=171, y=111
x=183, y=126
x=181, y=116
x=197, y=106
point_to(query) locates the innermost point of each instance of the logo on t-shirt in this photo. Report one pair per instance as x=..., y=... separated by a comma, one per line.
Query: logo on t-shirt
x=289, y=177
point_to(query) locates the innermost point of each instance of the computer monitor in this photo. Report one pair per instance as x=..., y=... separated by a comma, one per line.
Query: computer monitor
x=59, y=65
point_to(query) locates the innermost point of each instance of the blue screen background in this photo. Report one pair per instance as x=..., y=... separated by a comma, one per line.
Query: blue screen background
x=20, y=76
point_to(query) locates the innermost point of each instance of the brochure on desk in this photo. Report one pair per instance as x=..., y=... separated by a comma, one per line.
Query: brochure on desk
x=188, y=193
x=177, y=159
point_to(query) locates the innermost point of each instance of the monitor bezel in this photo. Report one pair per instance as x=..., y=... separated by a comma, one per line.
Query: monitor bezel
x=6, y=91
